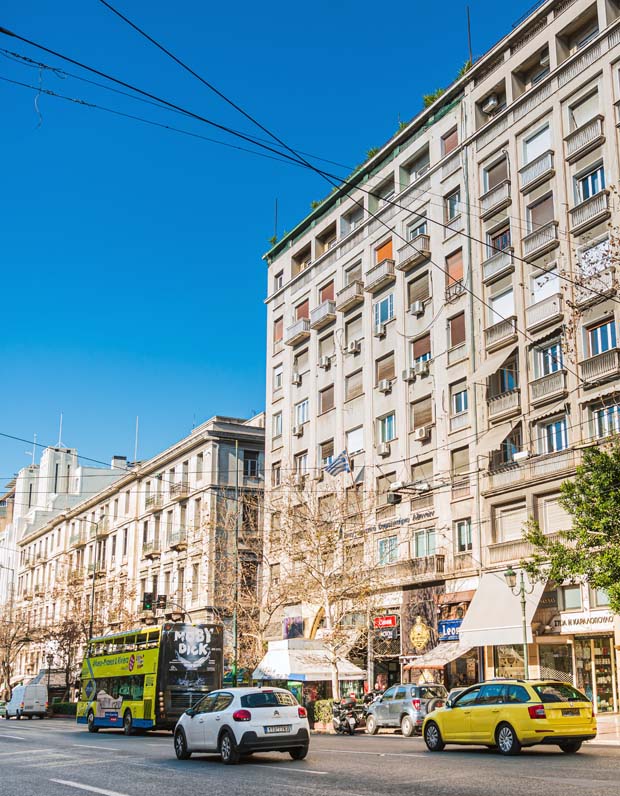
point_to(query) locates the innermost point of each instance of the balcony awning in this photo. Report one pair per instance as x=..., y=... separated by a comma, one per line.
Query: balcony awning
x=440, y=656
x=455, y=597
x=491, y=440
x=491, y=364
x=302, y=660
x=494, y=615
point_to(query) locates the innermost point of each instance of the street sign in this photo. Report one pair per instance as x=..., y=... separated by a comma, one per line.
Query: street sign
x=448, y=629
x=381, y=622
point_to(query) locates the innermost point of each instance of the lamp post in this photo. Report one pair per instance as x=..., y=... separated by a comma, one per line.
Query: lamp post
x=50, y=661
x=520, y=591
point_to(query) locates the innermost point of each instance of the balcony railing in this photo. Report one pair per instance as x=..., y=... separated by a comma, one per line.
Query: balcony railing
x=454, y=225
x=548, y=387
x=77, y=539
x=177, y=540
x=495, y=200
x=595, y=287
x=506, y=402
x=584, y=138
x=591, y=212
x=512, y=550
x=459, y=421
x=153, y=502
x=544, y=466
x=350, y=296
x=381, y=275
x=415, y=569
x=454, y=290
x=415, y=252
x=323, y=315
x=457, y=353
x=544, y=312
x=601, y=367
x=498, y=265
x=298, y=332
x=151, y=549
x=500, y=333
x=179, y=490
x=541, y=240
x=539, y=170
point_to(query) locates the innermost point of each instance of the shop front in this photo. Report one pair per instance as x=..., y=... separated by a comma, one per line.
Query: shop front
x=384, y=659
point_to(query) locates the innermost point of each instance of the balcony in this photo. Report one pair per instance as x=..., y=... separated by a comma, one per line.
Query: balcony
x=536, y=172
x=595, y=287
x=298, y=332
x=458, y=422
x=600, y=368
x=415, y=569
x=589, y=213
x=350, y=296
x=544, y=312
x=513, y=550
x=498, y=265
x=95, y=569
x=500, y=333
x=548, y=388
x=179, y=490
x=504, y=405
x=453, y=225
x=584, y=139
x=416, y=252
x=380, y=276
x=151, y=550
x=77, y=540
x=548, y=467
x=454, y=290
x=39, y=591
x=153, y=502
x=541, y=240
x=177, y=540
x=323, y=315
x=495, y=200
x=457, y=354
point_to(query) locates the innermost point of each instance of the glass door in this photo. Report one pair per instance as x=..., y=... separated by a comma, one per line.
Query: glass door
x=595, y=671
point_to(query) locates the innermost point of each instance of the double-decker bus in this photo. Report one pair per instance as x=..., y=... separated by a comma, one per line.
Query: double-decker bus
x=145, y=679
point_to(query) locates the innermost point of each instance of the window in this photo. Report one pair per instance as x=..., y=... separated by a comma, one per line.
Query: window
x=583, y=36
x=545, y=284
x=422, y=475
x=454, y=267
x=352, y=219
x=388, y=551
x=456, y=330
x=422, y=412
x=589, y=184
x=199, y=466
x=502, y=306
x=452, y=205
x=421, y=349
x=605, y=421
x=553, y=436
x=498, y=241
x=353, y=385
x=276, y=474
x=495, y=174
x=449, y=141
x=601, y=338
x=326, y=293
x=508, y=521
x=278, y=281
x=536, y=144
x=383, y=311
x=326, y=346
x=384, y=193
x=418, y=166
x=417, y=227
x=387, y=428
x=384, y=252
x=468, y=698
x=462, y=532
x=459, y=463
x=301, y=463
x=551, y=515
x=599, y=598
x=549, y=359
x=278, y=330
x=424, y=543
x=277, y=424
x=419, y=289
x=326, y=452
x=302, y=310
x=274, y=574
x=355, y=440
x=595, y=258
x=250, y=464
x=326, y=400
x=505, y=379
x=509, y=446
x=571, y=597
x=278, y=373
x=353, y=329
x=301, y=412
x=540, y=213
x=385, y=368
x=353, y=273
x=581, y=112
x=458, y=398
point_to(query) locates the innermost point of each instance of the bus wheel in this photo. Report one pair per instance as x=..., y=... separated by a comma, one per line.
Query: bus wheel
x=90, y=721
x=127, y=723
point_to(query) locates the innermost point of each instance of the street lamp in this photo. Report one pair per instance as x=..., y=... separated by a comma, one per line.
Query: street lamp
x=50, y=661
x=511, y=580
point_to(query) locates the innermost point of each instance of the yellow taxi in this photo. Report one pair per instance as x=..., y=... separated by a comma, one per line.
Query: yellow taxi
x=510, y=714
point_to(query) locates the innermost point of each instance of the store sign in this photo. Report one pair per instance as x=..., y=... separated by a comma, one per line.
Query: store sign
x=381, y=622
x=584, y=622
x=448, y=629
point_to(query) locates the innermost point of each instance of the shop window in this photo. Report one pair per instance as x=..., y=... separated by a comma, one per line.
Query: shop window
x=509, y=661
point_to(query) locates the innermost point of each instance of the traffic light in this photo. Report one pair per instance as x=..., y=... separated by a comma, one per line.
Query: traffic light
x=147, y=601
x=162, y=600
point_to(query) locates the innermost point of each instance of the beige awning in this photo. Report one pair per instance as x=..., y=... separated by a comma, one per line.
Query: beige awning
x=440, y=656
x=491, y=440
x=303, y=660
x=491, y=364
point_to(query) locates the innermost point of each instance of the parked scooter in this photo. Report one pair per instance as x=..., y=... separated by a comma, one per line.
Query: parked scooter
x=345, y=718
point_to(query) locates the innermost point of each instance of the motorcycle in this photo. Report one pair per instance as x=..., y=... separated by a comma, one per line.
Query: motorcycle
x=345, y=719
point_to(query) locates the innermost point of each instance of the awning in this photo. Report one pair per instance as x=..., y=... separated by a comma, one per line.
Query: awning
x=304, y=661
x=455, y=597
x=437, y=658
x=491, y=364
x=494, y=615
x=493, y=438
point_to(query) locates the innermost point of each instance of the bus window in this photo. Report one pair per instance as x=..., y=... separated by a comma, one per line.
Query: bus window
x=141, y=639
x=154, y=636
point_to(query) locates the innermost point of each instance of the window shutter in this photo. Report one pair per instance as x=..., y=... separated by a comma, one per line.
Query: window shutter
x=422, y=346
x=509, y=522
x=354, y=385
x=537, y=144
x=327, y=292
x=497, y=174
x=423, y=472
x=385, y=368
x=460, y=461
x=355, y=440
x=585, y=110
x=457, y=329
x=541, y=213
x=278, y=330
x=326, y=399
x=450, y=141
x=423, y=412
x=301, y=361
x=326, y=346
x=385, y=252
x=303, y=310
x=354, y=329
x=419, y=289
x=552, y=516
x=454, y=267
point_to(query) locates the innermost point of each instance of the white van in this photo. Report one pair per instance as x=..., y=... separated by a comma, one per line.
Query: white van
x=27, y=700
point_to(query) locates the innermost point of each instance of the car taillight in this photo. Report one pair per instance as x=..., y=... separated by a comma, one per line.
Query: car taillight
x=416, y=703
x=537, y=711
x=21, y=704
x=242, y=715
x=302, y=712
x=46, y=705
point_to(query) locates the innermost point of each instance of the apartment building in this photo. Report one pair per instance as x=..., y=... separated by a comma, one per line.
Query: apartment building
x=170, y=526
x=448, y=318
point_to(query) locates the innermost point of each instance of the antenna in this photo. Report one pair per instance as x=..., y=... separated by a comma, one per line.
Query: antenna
x=135, y=447
x=275, y=219
x=471, y=57
x=59, y=445
x=34, y=449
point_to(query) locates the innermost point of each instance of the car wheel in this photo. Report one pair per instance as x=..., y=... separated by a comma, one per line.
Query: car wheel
x=507, y=741
x=30, y=716
x=432, y=737
x=371, y=725
x=570, y=747
x=228, y=750
x=90, y=722
x=128, y=723
x=180, y=745
x=407, y=727
x=18, y=715
x=299, y=753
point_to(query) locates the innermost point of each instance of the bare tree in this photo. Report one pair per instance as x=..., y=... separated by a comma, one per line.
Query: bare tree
x=15, y=634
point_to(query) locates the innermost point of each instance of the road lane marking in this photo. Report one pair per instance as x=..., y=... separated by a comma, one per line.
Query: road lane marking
x=98, y=748
x=375, y=754
x=17, y=737
x=280, y=768
x=23, y=752
x=79, y=786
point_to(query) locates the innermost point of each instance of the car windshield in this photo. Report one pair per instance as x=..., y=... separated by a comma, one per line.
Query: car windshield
x=559, y=692
x=432, y=692
x=267, y=699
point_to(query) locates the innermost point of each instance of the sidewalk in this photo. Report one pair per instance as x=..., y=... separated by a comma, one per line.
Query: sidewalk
x=608, y=729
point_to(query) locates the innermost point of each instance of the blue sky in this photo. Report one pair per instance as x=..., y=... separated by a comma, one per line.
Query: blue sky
x=132, y=277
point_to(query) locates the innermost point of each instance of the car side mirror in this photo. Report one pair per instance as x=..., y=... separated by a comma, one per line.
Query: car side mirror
x=449, y=703
x=380, y=698
x=190, y=712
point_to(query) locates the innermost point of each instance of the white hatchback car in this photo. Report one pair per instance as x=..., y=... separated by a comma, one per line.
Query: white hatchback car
x=239, y=721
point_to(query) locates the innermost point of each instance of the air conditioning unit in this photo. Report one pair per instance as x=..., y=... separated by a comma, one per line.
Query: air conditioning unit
x=421, y=486
x=298, y=431
x=325, y=362
x=409, y=374
x=354, y=347
x=422, y=433
x=490, y=103
x=520, y=456
x=385, y=386
x=383, y=449
x=416, y=308
x=296, y=378
x=421, y=368
x=380, y=330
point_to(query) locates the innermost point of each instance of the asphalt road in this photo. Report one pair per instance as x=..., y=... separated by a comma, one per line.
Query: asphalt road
x=56, y=758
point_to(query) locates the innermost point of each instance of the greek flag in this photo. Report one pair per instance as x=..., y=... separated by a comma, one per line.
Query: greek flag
x=339, y=465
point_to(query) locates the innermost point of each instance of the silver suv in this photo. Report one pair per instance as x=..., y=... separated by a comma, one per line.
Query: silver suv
x=405, y=706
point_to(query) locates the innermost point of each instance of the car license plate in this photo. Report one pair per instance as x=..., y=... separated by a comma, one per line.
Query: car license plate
x=570, y=711
x=277, y=728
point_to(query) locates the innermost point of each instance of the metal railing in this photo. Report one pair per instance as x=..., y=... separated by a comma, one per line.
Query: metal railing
x=543, y=311
x=536, y=170
x=546, y=236
x=497, y=265
x=583, y=138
